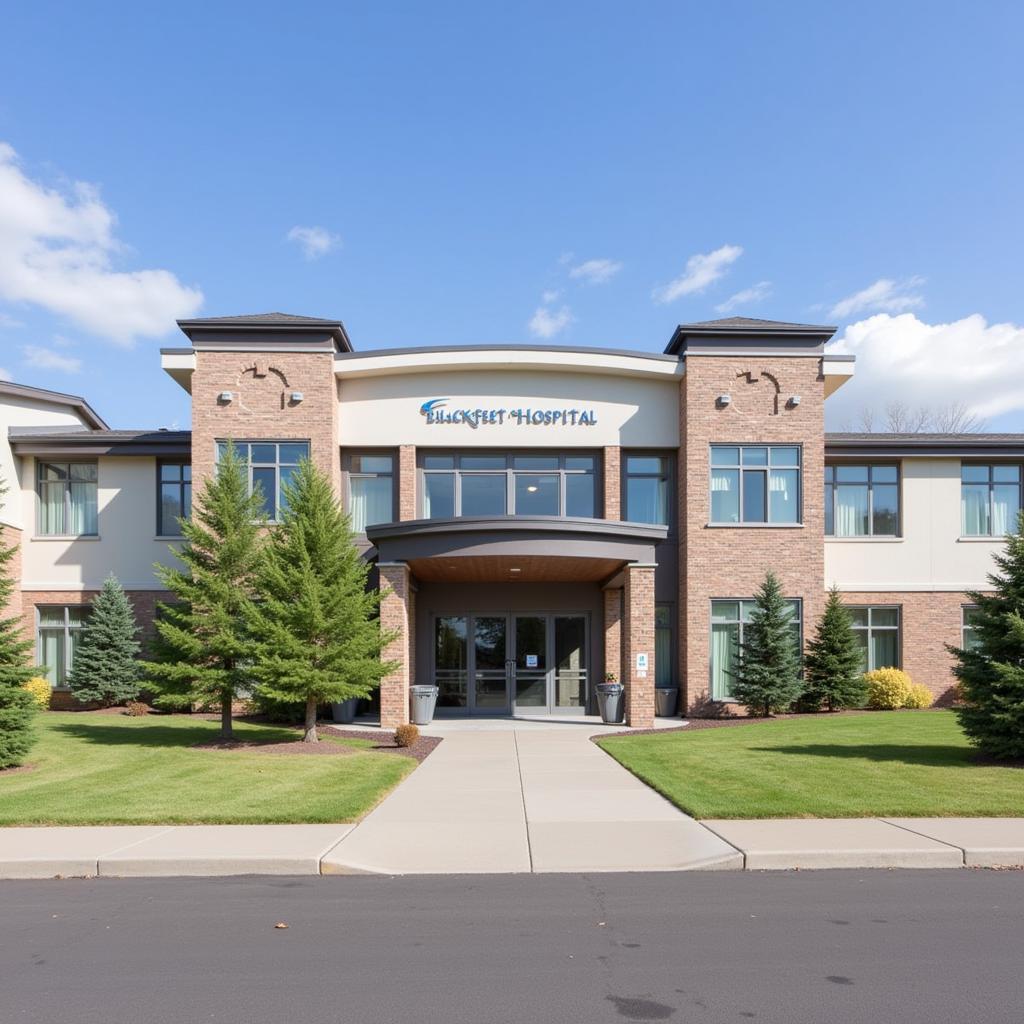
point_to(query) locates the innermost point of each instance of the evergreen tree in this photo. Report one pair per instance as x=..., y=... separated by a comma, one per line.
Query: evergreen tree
x=316, y=635
x=767, y=673
x=105, y=670
x=17, y=706
x=991, y=673
x=202, y=649
x=833, y=665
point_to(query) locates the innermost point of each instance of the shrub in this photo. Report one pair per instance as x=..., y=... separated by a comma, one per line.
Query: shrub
x=919, y=696
x=40, y=690
x=136, y=709
x=406, y=735
x=888, y=688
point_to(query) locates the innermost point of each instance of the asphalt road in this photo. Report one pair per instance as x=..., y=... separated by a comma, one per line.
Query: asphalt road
x=865, y=946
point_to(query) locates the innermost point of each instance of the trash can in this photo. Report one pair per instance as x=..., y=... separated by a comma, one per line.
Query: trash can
x=422, y=701
x=665, y=700
x=610, y=702
x=345, y=712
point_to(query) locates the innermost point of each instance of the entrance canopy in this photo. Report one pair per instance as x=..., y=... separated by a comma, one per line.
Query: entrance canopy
x=537, y=549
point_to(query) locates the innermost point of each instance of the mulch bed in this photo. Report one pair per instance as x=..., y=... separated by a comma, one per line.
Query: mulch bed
x=296, y=747
x=384, y=742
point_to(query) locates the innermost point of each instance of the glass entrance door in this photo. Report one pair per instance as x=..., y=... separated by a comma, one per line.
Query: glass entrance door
x=531, y=661
x=569, y=671
x=490, y=664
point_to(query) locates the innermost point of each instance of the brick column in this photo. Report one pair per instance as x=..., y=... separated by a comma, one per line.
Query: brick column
x=406, y=482
x=638, y=638
x=613, y=633
x=613, y=482
x=395, y=607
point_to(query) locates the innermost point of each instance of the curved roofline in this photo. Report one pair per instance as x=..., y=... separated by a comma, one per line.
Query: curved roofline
x=518, y=524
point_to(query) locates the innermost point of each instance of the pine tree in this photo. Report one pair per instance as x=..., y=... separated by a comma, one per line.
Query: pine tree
x=17, y=707
x=833, y=665
x=767, y=674
x=991, y=673
x=202, y=648
x=316, y=635
x=105, y=670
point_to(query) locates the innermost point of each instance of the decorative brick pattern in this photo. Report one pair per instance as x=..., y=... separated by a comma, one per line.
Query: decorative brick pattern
x=638, y=638
x=928, y=621
x=406, y=482
x=613, y=633
x=395, y=616
x=261, y=409
x=731, y=561
x=613, y=482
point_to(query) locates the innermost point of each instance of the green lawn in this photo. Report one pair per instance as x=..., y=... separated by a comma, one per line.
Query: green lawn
x=907, y=763
x=92, y=769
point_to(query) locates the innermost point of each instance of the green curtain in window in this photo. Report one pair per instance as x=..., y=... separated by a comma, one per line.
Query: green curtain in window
x=885, y=648
x=51, y=655
x=723, y=658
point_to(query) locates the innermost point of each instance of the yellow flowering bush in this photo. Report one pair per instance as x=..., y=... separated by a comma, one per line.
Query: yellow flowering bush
x=888, y=688
x=919, y=697
x=40, y=690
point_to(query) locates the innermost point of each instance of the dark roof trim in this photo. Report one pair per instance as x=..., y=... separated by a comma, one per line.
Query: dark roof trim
x=281, y=327
x=925, y=445
x=85, y=410
x=424, y=349
x=169, y=443
x=518, y=524
x=746, y=329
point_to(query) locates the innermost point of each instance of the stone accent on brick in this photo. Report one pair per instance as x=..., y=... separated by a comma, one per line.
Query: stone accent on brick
x=613, y=482
x=612, y=633
x=261, y=409
x=396, y=616
x=732, y=561
x=928, y=621
x=638, y=638
x=406, y=482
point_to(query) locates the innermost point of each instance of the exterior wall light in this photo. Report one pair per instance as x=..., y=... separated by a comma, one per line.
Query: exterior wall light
x=225, y=398
x=794, y=401
x=295, y=397
x=723, y=400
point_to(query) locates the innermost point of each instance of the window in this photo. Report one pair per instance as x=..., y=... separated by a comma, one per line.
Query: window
x=371, y=486
x=969, y=628
x=861, y=501
x=67, y=499
x=728, y=619
x=271, y=465
x=755, y=484
x=989, y=499
x=57, y=634
x=877, y=630
x=647, y=489
x=664, y=674
x=175, y=504
x=499, y=484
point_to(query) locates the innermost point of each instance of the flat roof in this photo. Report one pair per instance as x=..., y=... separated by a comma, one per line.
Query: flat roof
x=894, y=444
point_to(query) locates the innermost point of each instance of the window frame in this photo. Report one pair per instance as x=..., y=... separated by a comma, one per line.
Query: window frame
x=182, y=483
x=991, y=485
x=66, y=630
x=669, y=475
x=238, y=442
x=670, y=628
x=741, y=469
x=349, y=461
x=869, y=629
x=41, y=463
x=965, y=627
x=798, y=601
x=831, y=493
x=510, y=473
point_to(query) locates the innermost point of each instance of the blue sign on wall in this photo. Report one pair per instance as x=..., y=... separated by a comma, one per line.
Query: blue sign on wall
x=435, y=410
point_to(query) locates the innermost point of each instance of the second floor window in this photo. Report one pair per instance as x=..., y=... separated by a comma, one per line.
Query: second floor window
x=989, y=499
x=175, y=497
x=755, y=484
x=861, y=501
x=647, y=489
x=371, y=490
x=68, y=499
x=270, y=465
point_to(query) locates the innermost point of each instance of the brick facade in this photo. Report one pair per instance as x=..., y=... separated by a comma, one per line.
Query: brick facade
x=638, y=638
x=722, y=562
x=396, y=611
x=612, y=482
x=406, y=482
x=612, y=633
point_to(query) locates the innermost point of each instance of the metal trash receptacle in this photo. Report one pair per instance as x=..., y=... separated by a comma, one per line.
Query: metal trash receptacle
x=422, y=701
x=345, y=711
x=610, y=702
x=666, y=699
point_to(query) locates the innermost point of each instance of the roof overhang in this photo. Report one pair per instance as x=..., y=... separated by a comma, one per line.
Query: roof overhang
x=89, y=415
x=758, y=335
x=978, y=446
x=165, y=443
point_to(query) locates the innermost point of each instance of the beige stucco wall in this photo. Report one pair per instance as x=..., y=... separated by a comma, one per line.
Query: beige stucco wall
x=634, y=412
x=126, y=546
x=930, y=555
x=25, y=412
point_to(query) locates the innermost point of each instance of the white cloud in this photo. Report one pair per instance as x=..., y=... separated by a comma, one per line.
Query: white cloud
x=551, y=295
x=900, y=358
x=546, y=323
x=702, y=269
x=57, y=250
x=314, y=241
x=755, y=293
x=5, y=374
x=8, y=322
x=595, y=271
x=884, y=296
x=46, y=359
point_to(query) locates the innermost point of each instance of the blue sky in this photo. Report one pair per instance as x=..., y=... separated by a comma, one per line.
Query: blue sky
x=456, y=173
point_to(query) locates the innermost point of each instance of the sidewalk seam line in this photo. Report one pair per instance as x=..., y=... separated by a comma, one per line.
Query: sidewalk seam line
x=741, y=852
x=337, y=842
x=960, y=849
x=522, y=797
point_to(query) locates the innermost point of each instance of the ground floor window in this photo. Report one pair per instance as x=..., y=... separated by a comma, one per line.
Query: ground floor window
x=969, y=627
x=663, y=669
x=57, y=635
x=877, y=629
x=728, y=621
